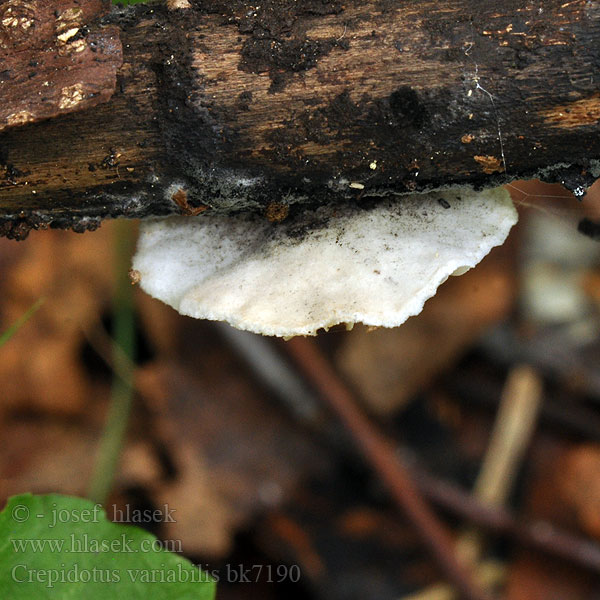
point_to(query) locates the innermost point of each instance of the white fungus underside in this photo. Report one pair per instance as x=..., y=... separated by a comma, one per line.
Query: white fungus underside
x=344, y=264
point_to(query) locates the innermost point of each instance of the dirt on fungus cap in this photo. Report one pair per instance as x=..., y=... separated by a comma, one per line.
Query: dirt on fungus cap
x=342, y=263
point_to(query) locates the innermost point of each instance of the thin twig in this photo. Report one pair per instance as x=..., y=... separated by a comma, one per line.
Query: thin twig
x=540, y=535
x=579, y=420
x=514, y=426
x=381, y=456
x=512, y=431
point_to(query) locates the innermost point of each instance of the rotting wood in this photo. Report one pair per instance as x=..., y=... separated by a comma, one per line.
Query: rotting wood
x=52, y=61
x=235, y=106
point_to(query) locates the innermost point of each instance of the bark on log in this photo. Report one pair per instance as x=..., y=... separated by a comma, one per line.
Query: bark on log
x=228, y=105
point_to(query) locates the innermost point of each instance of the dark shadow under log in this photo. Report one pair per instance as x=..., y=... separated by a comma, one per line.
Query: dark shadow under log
x=225, y=106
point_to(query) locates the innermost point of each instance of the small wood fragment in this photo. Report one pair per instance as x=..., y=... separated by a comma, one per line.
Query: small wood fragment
x=53, y=59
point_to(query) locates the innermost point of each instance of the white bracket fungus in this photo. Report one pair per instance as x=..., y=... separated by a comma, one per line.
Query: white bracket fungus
x=375, y=264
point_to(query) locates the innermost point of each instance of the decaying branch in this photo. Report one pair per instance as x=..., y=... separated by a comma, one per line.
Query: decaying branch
x=201, y=105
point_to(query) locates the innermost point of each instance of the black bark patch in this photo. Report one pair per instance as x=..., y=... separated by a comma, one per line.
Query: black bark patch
x=341, y=112
x=244, y=101
x=407, y=108
x=277, y=42
x=577, y=178
x=281, y=58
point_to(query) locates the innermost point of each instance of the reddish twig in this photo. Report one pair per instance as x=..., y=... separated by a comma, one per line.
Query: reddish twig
x=538, y=534
x=381, y=456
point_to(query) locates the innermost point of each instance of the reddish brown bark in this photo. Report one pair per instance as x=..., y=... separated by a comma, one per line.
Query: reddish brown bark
x=53, y=61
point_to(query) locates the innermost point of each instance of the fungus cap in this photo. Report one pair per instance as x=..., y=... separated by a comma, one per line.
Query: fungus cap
x=344, y=263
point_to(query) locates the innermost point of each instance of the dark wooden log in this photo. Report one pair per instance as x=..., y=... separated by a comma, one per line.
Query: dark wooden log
x=231, y=105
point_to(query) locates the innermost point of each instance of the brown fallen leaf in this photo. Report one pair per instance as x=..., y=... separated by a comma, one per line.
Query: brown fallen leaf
x=41, y=366
x=235, y=454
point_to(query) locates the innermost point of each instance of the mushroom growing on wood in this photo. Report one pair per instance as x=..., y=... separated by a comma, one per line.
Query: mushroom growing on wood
x=346, y=263
x=222, y=110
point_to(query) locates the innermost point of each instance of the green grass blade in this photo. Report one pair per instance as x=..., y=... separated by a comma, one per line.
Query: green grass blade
x=124, y=348
x=8, y=333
